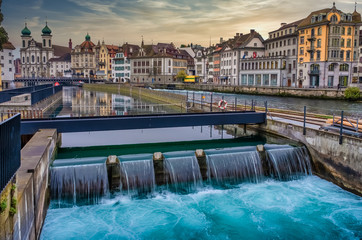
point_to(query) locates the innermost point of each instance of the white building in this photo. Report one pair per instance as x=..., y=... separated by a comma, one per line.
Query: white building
x=35, y=55
x=121, y=64
x=7, y=62
x=61, y=67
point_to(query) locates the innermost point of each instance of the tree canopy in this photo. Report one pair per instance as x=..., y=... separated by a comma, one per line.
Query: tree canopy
x=3, y=34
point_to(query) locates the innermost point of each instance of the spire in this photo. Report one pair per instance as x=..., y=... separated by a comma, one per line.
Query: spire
x=142, y=44
x=46, y=30
x=87, y=37
x=26, y=31
x=355, y=6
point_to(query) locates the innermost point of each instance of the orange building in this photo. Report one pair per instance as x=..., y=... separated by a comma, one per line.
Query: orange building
x=328, y=48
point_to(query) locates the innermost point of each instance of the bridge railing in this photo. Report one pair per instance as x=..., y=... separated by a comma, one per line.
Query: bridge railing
x=39, y=95
x=10, y=149
x=7, y=94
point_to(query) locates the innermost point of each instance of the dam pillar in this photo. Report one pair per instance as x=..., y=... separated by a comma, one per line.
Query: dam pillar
x=113, y=172
x=262, y=154
x=201, y=158
x=158, y=164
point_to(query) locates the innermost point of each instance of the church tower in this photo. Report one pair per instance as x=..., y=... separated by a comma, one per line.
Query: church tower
x=25, y=37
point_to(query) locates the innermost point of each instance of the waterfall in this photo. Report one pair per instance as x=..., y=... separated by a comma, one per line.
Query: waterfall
x=79, y=184
x=234, y=165
x=287, y=162
x=137, y=174
x=182, y=171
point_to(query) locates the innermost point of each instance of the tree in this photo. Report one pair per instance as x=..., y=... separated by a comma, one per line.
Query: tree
x=181, y=75
x=3, y=34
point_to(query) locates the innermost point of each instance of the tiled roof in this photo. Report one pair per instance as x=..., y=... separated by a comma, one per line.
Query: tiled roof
x=307, y=20
x=8, y=45
x=87, y=45
x=60, y=50
x=64, y=58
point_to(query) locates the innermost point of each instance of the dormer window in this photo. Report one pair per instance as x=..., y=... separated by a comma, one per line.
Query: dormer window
x=334, y=19
x=349, y=17
x=320, y=18
x=313, y=19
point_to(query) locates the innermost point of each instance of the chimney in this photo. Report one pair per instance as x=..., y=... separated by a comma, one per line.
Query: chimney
x=70, y=45
x=221, y=40
x=237, y=34
x=283, y=24
x=252, y=30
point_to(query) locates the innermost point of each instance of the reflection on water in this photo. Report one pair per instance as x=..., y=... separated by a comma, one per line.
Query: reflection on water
x=78, y=102
x=318, y=106
x=156, y=135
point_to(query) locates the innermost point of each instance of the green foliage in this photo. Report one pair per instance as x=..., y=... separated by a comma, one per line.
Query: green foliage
x=181, y=75
x=13, y=187
x=13, y=202
x=3, y=34
x=3, y=205
x=352, y=93
x=12, y=211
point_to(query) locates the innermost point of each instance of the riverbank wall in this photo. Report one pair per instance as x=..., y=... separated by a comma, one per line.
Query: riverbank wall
x=316, y=93
x=337, y=163
x=30, y=189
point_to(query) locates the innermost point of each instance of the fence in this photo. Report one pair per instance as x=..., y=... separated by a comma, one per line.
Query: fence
x=7, y=94
x=39, y=95
x=10, y=149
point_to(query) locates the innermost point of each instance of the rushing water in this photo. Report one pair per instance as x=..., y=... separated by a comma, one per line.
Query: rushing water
x=308, y=208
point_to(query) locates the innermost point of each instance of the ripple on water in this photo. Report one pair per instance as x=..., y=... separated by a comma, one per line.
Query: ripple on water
x=309, y=208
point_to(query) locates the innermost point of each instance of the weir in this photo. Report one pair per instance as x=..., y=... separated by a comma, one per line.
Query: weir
x=87, y=180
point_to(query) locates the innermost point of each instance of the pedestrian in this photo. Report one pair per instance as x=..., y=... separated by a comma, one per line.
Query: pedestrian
x=338, y=86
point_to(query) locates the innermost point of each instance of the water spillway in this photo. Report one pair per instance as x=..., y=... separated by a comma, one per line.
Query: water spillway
x=182, y=171
x=137, y=174
x=75, y=182
x=287, y=163
x=234, y=165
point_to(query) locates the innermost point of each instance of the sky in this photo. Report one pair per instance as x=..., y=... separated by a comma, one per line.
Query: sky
x=177, y=21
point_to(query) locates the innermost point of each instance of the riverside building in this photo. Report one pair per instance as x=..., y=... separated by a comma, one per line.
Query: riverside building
x=35, y=55
x=328, y=48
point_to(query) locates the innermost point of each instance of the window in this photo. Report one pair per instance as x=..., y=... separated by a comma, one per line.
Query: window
x=10, y=61
x=250, y=79
x=319, y=43
x=319, y=31
x=348, y=55
x=318, y=55
x=44, y=43
x=342, y=55
x=348, y=42
x=302, y=40
x=343, y=68
x=343, y=30
x=50, y=43
x=32, y=59
x=23, y=59
x=266, y=79
x=334, y=19
x=342, y=42
x=301, y=52
x=349, y=31
x=10, y=69
x=293, y=52
x=23, y=43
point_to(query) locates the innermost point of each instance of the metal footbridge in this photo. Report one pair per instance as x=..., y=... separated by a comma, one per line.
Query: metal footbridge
x=89, y=124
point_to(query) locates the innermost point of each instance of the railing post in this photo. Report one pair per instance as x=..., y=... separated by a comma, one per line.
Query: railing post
x=193, y=99
x=252, y=104
x=304, y=119
x=201, y=100
x=341, y=130
x=266, y=112
x=210, y=102
x=235, y=103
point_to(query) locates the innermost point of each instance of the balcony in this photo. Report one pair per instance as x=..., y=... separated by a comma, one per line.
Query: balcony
x=310, y=49
x=313, y=72
x=311, y=38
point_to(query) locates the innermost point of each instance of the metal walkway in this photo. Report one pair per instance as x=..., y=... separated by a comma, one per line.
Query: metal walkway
x=88, y=124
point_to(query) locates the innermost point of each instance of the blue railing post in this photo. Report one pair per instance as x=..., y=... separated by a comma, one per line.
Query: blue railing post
x=304, y=119
x=341, y=130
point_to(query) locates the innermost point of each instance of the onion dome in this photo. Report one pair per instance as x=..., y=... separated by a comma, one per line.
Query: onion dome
x=87, y=37
x=26, y=31
x=46, y=30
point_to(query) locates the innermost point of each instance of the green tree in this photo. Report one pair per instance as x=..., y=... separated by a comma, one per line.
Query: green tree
x=3, y=34
x=181, y=75
x=352, y=93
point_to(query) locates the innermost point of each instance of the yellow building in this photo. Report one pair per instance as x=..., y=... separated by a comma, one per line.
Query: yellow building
x=328, y=48
x=106, y=53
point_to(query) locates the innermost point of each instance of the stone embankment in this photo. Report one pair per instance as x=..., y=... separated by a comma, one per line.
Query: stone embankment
x=317, y=93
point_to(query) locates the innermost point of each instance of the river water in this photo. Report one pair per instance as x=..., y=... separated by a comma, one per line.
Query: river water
x=308, y=208
x=318, y=106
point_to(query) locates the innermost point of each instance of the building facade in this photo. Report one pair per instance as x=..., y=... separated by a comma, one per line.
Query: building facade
x=61, y=67
x=283, y=42
x=106, y=53
x=35, y=55
x=158, y=63
x=121, y=64
x=7, y=62
x=328, y=48
x=83, y=59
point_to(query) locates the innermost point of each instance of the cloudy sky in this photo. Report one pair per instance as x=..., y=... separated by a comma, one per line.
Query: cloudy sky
x=178, y=21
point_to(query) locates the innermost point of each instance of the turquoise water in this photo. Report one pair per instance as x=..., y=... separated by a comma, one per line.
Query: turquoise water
x=308, y=208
